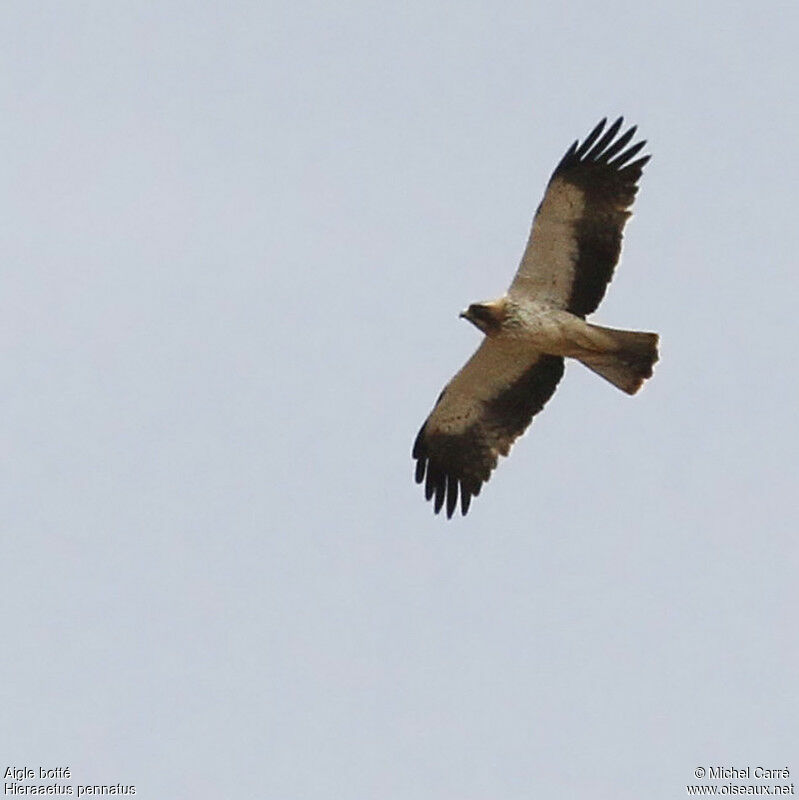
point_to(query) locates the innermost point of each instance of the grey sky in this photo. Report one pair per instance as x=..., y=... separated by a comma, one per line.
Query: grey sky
x=235, y=239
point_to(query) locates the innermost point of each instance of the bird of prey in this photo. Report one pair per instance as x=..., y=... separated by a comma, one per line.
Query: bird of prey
x=573, y=248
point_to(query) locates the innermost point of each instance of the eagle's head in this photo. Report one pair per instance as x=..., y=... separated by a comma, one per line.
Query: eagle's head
x=488, y=317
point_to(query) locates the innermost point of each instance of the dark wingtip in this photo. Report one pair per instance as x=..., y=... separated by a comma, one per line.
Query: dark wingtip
x=635, y=168
x=441, y=491
x=591, y=138
x=429, y=484
x=622, y=159
x=452, y=495
x=466, y=499
x=618, y=145
x=599, y=147
x=418, y=443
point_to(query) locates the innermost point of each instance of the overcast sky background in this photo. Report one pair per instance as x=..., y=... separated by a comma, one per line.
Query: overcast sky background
x=235, y=239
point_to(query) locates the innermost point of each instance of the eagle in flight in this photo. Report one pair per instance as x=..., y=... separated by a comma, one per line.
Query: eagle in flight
x=573, y=248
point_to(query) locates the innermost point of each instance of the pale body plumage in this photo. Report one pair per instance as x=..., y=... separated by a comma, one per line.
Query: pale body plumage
x=547, y=329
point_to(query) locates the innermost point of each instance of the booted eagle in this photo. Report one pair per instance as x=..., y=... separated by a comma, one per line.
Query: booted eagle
x=573, y=248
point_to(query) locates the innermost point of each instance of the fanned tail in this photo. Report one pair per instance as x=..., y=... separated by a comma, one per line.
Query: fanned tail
x=630, y=360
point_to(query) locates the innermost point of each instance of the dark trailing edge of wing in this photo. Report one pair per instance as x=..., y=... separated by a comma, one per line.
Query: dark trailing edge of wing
x=603, y=170
x=457, y=464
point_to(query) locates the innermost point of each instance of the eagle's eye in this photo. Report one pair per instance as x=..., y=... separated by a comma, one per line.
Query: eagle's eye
x=481, y=312
x=482, y=316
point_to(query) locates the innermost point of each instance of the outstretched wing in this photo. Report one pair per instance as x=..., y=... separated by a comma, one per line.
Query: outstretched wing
x=480, y=413
x=577, y=230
